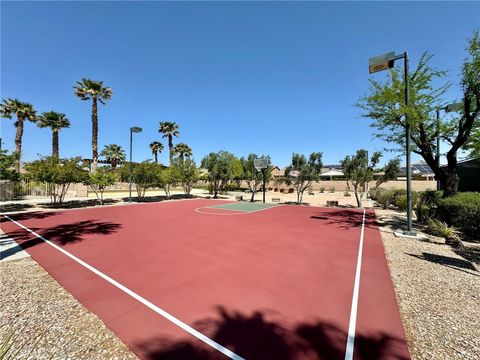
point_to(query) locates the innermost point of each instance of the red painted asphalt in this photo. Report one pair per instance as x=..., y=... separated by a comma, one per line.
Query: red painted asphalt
x=274, y=284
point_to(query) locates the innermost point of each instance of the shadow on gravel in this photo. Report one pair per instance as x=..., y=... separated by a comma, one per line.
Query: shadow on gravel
x=450, y=262
x=471, y=254
x=14, y=207
x=253, y=336
x=75, y=204
x=159, y=198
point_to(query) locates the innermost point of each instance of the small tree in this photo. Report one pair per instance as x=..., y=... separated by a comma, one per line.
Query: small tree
x=222, y=167
x=144, y=176
x=58, y=174
x=252, y=176
x=186, y=173
x=7, y=166
x=100, y=180
x=390, y=172
x=358, y=171
x=167, y=178
x=301, y=173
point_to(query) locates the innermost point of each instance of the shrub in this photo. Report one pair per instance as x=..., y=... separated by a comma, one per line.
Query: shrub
x=449, y=233
x=384, y=198
x=322, y=190
x=423, y=212
x=332, y=189
x=400, y=199
x=462, y=211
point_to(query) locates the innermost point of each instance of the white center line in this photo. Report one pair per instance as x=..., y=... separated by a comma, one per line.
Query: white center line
x=137, y=297
x=353, y=312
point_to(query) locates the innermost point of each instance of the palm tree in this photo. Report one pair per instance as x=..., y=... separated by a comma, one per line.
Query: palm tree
x=156, y=147
x=23, y=111
x=55, y=121
x=169, y=130
x=89, y=89
x=114, y=154
x=183, y=150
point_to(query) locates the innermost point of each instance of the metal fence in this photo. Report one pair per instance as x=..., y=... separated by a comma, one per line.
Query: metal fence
x=28, y=187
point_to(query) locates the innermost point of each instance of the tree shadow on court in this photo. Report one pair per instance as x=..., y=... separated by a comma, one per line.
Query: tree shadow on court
x=450, y=262
x=63, y=234
x=346, y=218
x=29, y=215
x=7, y=208
x=255, y=336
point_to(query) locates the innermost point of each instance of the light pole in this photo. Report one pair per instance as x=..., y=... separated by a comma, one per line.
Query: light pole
x=132, y=130
x=383, y=62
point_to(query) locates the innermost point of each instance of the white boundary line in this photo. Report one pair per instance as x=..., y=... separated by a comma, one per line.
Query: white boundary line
x=238, y=212
x=137, y=297
x=356, y=287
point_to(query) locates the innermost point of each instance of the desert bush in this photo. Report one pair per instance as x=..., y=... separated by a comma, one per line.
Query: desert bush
x=384, y=198
x=423, y=212
x=462, y=211
x=450, y=233
x=332, y=189
x=322, y=190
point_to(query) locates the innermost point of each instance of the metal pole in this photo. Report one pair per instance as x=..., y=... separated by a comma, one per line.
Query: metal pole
x=264, y=180
x=131, y=171
x=407, y=134
x=437, y=160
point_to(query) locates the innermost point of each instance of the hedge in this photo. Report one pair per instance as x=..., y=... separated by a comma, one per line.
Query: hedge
x=462, y=211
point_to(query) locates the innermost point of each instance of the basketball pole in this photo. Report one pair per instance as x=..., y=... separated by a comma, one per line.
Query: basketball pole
x=264, y=180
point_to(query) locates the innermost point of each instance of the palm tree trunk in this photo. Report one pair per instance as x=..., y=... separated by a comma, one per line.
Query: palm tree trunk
x=94, y=134
x=55, y=150
x=156, y=157
x=18, y=141
x=170, y=147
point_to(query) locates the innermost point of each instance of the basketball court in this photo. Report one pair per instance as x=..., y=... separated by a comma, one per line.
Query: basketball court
x=209, y=279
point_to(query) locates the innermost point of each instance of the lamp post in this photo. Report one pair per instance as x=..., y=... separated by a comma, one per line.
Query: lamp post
x=383, y=62
x=132, y=130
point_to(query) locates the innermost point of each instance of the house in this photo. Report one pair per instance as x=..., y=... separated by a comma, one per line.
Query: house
x=469, y=173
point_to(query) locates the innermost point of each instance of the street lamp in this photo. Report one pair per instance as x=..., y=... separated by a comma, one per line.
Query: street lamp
x=448, y=108
x=132, y=130
x=383, y=62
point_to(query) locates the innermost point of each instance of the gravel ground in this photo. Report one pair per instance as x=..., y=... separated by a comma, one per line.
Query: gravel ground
x=37, y=308
x=438, y=292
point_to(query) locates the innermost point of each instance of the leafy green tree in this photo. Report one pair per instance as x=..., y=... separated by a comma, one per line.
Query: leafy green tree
x=390, y=172
x=156, y=147
x=301, y=173
x=167, y=178
x=186, y=173
x=145, y=175
x=182, y=150
x=385, y=105
x=222, y=167
x=101, y=180
x=252, y=176
x=58, y=174
x=55, y=121
x=88, y=89
x=169, y=130
x=114, y=154
x=23, y=111
x=358, y=171
x=7, y=166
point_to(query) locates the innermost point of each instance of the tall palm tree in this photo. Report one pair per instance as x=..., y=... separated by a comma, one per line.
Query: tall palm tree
x=183, y=150
x=156, y=147
x=114, y=154
x=23, y=111
x=89, y=89
x=169, y=130
x=55, y=121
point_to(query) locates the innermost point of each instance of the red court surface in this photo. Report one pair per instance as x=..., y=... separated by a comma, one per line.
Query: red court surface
x=273, y=284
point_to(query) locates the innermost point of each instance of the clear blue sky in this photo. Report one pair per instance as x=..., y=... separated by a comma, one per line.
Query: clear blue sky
x=271, y=78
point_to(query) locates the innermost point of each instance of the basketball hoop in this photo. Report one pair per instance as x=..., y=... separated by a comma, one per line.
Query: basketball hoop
x=260, y=163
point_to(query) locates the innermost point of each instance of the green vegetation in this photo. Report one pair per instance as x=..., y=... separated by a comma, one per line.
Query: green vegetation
x=88, y=89
x=23, y=111
x=252, y=176
x=449, y=233
x=169, y=130
x=390, y=172
x=461, y=211
x=156, y=147
x=301, y=173
x=385, y=105
x=145, y=175
x=182, y=151
x=358, y=171
x=7, y=166
x=222, y=167
x=384, y=197
x=58, y=174
x=100, y=180
x=114, y=154
x=55, y=121
x=186, y=173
